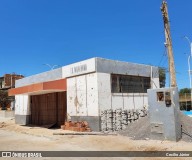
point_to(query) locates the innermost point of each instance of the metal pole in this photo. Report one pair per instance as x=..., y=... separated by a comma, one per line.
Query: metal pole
x=185, y=102
x=191, y=48
x=190, y=75
x=189, y=65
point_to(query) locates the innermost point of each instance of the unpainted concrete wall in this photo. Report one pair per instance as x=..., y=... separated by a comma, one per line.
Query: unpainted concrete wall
x=41, y=77
x=79, y=68
x=167, y=116
x=90, y=66
x=108, y=100
x=119, y=67
x=22, y=119
x=22, y=105
x=22, y=109
x=7, y=114
x=82, y=95
x=88, y=95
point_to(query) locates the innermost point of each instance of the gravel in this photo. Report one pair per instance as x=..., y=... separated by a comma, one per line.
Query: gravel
x=140, y=129
x=186, y=123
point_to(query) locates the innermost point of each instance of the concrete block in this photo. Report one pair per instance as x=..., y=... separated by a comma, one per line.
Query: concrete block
x=22, y=119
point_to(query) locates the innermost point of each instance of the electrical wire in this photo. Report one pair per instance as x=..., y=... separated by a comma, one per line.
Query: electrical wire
x=162, y=57
x=185, y=132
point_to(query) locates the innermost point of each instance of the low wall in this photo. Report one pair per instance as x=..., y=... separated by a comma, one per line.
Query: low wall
x=22, y=119
x=7, y=114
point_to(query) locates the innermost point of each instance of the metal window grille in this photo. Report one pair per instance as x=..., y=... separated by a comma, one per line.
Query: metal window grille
x=129, y=84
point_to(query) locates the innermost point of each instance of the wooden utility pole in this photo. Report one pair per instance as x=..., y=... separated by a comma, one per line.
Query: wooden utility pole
x=168, y=44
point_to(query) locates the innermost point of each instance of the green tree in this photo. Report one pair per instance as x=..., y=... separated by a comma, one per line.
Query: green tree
x=162, y=77
x=185, y=90
x=5, y=99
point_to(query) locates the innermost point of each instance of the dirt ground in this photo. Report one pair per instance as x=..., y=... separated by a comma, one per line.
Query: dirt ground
x=14, y=137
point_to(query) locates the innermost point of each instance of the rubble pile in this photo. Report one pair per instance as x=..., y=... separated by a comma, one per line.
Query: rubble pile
x=76, y=126
x=140, y=130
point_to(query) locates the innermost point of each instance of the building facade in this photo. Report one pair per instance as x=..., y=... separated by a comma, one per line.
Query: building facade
x=81, y=91
x=6, y=82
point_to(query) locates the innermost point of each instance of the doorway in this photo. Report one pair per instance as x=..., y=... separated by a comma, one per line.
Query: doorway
x=48, y=109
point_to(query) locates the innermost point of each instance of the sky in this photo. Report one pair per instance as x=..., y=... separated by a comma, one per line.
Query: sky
x=61, y=32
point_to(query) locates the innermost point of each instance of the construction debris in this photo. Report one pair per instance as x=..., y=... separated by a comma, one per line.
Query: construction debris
x=76, y=126
x=2, y=124
x=140, y=130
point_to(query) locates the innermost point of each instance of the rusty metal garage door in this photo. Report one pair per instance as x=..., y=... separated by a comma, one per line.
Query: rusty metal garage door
x=47, y=109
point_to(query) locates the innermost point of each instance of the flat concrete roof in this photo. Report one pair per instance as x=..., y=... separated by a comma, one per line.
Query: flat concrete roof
x=90, y=66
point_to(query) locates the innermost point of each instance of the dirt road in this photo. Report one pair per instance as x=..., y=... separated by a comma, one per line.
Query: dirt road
x=22, y=138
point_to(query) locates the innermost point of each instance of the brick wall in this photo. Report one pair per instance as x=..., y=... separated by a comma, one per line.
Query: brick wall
x=10, y=79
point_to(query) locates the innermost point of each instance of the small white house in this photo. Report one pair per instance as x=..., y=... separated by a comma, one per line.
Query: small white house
x=81, y=91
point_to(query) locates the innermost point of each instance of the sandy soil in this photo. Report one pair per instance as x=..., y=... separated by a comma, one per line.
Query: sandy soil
x=26, y=138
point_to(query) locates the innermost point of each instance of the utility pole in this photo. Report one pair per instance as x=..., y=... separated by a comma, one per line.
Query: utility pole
x=168, y=44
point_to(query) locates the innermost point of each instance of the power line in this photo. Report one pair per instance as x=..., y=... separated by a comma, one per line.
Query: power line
x=162, y=57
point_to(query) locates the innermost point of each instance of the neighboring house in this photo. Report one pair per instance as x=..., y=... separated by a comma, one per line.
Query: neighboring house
x=7, y=82
x=82, y=91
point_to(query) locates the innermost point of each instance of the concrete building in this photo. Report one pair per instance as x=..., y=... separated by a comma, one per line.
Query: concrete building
x=80, y=91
